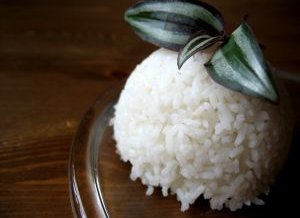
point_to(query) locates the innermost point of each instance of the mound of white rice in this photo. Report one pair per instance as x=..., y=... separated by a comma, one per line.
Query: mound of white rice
x=190, y=136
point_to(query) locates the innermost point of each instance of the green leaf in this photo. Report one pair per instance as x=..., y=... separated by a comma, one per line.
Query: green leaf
x=239, y=65
x=197, y=43
x=171, y=23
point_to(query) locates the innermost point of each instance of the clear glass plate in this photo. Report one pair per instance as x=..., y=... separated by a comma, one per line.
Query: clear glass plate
x=100, y=184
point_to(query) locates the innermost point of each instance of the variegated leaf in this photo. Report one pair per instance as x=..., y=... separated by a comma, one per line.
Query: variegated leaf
x=239, y=65
x=197, y=43
x=171, y=23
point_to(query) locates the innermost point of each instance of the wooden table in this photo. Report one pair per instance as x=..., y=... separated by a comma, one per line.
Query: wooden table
x=58, y=56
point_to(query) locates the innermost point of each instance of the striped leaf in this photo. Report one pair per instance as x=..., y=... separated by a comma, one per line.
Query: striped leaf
x=197, y=43
x=239, y=65
x=171, y=23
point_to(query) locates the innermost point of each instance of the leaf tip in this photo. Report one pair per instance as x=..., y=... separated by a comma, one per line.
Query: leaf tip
x=179, y=61
x=126, y=16
x=274, y=96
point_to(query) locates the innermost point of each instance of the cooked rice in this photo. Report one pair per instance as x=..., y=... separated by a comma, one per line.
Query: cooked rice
x=188, y=135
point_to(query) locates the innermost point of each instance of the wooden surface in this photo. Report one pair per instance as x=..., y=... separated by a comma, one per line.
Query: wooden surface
x=58, y=56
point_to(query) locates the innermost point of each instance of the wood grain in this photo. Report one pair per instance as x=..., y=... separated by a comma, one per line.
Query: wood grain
x=33, y=177
x=57, y=56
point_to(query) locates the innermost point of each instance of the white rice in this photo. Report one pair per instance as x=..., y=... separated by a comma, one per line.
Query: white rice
x=188, y=135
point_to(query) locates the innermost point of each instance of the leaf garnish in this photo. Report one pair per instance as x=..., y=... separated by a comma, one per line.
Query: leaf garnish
x=189, y=26
x=171, y=23
x=197, y=43
x=239, y=65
